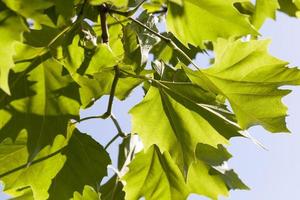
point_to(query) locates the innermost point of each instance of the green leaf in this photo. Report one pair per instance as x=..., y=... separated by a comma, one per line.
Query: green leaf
x=19, y=175
x=200, y=21
x=139, y=42
x=40, y=37
x=249, y=78
x=208, y=175
x=42, y=102
x=88, y=194
x=201, y=182
x=245, y=7
x=209, y=182
x=33, y=9
x=124, y=86
x=53, y=174
x=153, y=6
x=132, y=49
x=86, y=164
x=11, y=29
x=176, y=123
x=93, y=72
x=117, y=3
x=162, y=51
x=290, y=7
x=158, y=177
x=264, y=9
x=212, y=156
x=53, y=64
x=65, y=8
x=102, y=58
x=297, y=3
x=112, y=189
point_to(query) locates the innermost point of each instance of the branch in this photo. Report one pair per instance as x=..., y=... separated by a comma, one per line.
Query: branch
x=110, y=101
x=82, y=8
x=116, y=123
x=111, y=141
x=120, y=132
x=103, y=12
x=113, y=90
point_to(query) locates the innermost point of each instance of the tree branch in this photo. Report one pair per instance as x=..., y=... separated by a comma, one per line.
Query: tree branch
x=113, y=90
x=103, y=13
x=120, y=132
x=116, y=123
x=111, y=141
x=110, y=101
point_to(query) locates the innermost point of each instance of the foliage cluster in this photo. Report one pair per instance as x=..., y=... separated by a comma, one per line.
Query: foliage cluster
x=60, y=56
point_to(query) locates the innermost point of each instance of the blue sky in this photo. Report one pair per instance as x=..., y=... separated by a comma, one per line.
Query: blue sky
x=273, y=174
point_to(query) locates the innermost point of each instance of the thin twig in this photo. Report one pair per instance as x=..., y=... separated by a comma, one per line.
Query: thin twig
x=111, y=141
x=113, y=90
x=110, y=100
x=117, y=125
x=120, y=132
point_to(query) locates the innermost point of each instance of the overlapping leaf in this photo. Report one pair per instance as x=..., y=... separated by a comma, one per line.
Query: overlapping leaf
x=290, y=7
x=93, y=71
x=162, y=51
x=86, y=164
x=264, y=9
x=61, y=66
x=42, y=102
x=138, y=42
x=18, y=176
x=53, y=167
x=11, y=29
x=118, y=3
x=88, y=194
x=176, y=123
x=160, y=178
x=31, y=9
x=208, y=176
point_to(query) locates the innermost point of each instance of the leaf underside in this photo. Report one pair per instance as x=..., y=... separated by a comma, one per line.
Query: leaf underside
x=55, y=60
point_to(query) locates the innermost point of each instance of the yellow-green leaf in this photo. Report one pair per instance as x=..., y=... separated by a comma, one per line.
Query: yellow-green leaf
x=249, y=77
x=199, y=21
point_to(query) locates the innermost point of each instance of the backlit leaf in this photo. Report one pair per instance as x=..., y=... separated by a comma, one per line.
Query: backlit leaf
x=249, y=77
x=199, y=21
x=158, y=177
x=53, y=172
x=11, y=29
x=175, y=123
x=264, y=9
